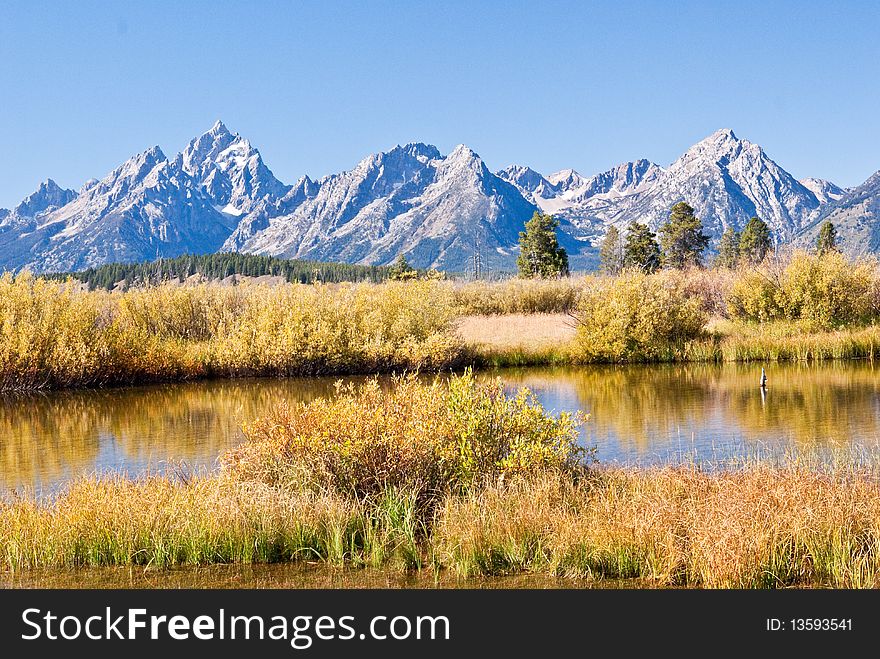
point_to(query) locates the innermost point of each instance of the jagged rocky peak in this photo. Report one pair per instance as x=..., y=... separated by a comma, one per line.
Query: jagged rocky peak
x=528, y=180
x=566, y=179
x=624, y=178
x=420, y=151
x=130, y=173
x=230, y=169
x=47, y=197
x=218, y=145
x=825, y=191
x=408, y=157
x=722, y=144
x=462, y=159
x=217, y=148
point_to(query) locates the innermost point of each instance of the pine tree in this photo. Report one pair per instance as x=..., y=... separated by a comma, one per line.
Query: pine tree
x=611, y=252
x=539, y=252
x=728, y=249
x=827, y=240
x=682, y=238
x=401, y=270
x=754, y=243
x=641, y=249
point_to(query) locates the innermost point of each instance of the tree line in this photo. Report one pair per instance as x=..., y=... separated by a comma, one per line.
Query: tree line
x=219, y=266
x=682, y=244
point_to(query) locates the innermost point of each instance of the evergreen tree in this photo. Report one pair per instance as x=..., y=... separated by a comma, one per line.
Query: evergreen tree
x=217, y=266
x=682, y=238
x=611, y=252
x=728, y=249
x=539, y=252
x=754, y=243
x=827, y=240
x=641, y=249
x=401, y=270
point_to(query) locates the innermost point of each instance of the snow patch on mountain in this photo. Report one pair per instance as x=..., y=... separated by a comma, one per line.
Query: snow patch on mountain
x=410, y=200
x=439, y=211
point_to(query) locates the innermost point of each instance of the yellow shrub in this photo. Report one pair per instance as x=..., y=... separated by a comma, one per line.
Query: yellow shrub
x=54, y=335
x=636, y=317
x=824, y=291
x=423, y=437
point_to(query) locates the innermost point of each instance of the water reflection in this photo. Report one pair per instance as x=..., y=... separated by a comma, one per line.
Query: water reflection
x=639, y=413
x=710, y=411
x=47, y=438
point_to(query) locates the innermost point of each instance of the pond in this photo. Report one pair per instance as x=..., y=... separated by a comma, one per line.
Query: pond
x=638, y=415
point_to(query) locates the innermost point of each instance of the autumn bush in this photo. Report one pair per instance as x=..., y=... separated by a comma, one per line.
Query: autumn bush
x=636, y=317
x=425, y=437
x=55, y=335
x=821, y=291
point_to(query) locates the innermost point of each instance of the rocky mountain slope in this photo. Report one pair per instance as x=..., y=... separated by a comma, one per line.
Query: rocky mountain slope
x=856, y=216
x=439, y=210
x=727, y=180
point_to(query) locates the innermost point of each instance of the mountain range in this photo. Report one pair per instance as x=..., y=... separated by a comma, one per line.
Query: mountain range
x=438, y=210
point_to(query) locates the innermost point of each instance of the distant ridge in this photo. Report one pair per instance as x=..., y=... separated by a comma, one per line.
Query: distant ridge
x=214, y=267
x=443, y=211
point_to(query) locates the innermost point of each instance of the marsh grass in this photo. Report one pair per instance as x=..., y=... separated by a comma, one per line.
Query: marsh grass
x=759, y=527
x=161, y=522
x=54, y=335
x=459, y=476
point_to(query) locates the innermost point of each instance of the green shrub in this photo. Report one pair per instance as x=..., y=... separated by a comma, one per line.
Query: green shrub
x=419, y=437
x=636, y=317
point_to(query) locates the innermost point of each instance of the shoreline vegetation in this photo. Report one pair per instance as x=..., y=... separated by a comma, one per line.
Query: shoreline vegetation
x=456, y=476
x=799, y=307
x=451, y=476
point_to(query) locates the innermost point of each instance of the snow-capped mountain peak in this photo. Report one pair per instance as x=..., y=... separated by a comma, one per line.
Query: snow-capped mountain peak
x=566, y=179
x=48, y=196
x=439, y=210
x=230, y=170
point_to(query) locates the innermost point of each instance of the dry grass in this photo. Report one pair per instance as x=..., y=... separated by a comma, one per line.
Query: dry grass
x=539, y=330
x=519, y=296
x=761, y=527
x=346, y=482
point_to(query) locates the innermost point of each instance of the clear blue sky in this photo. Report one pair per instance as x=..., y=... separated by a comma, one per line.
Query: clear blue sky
x=317, y=86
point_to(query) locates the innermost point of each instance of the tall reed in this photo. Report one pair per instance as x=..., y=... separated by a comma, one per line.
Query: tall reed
x=54, y=335
x=460, y=476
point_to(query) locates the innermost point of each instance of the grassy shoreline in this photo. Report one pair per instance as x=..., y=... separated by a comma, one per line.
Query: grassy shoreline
x=457, y=477
x=759, y=527
x=55, y=336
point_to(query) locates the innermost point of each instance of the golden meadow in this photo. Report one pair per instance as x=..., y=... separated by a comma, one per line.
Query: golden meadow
x=801, y=307
x=452, y=475
x=457, y=476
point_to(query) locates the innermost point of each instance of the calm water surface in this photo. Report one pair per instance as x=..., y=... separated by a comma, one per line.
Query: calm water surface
x=639, y=414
